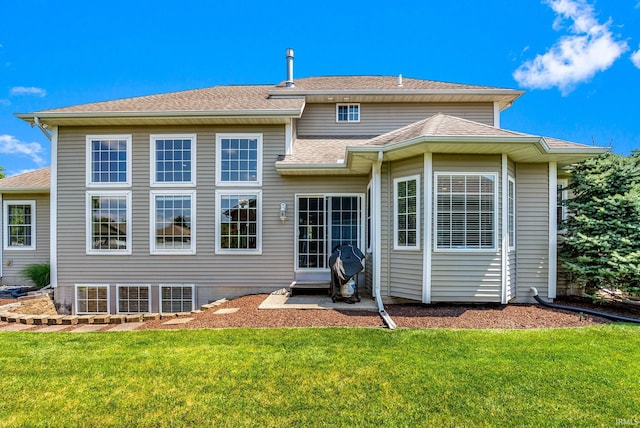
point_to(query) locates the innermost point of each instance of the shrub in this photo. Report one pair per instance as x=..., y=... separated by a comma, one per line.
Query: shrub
x=39, y=274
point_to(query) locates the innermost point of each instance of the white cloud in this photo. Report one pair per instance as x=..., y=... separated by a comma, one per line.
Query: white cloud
x=24, y=90
x=12, y=146
x=4, y=102
x=589, y=47
x=635, y=58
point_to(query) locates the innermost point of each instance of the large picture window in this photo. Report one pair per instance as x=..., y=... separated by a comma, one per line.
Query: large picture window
x=173, y=160
x=172, y=222
x=465, y=211
x=239, y=159
x=238, y=223
x=109, y=160
x=20, y=225
x=407, y=213
x=109, y=222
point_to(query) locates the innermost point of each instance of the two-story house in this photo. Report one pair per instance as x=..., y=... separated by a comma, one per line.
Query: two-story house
x=165, y=202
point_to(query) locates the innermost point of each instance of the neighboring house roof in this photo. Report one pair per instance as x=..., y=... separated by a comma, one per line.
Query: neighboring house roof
x=28, y=182
x=437, y=134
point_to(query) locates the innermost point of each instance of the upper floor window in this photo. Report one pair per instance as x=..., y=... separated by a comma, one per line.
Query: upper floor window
x=348, y=113
x=20, y=225
x=173, y=159
x=465, y=211
x=239, y=159
x=407, y=213
x=109, y=160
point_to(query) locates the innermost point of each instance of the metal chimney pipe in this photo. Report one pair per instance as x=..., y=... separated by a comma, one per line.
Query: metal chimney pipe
x=289, y=83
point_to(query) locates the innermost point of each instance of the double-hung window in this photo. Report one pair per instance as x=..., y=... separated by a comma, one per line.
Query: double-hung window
x=172, y=222
x=407, y=213
x=465, y=211
x=108, y=160
x=238, y=193
x=173, y=160
x=109, y=222
x=20, y=225
x=347, y=113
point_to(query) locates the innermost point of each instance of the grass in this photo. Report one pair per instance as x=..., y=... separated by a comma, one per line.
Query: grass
x=322, y=377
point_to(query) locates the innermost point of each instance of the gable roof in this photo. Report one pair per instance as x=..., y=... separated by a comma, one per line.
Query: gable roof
x=437, y=134
x=260, y=104
x=28, y=182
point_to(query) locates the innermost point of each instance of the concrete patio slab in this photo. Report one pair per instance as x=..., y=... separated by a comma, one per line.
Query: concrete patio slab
x=51, y=328
x=285, y=301
x=88, y=328
x=17, y=327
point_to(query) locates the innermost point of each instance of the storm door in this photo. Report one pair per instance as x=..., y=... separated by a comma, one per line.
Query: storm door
x=323, y=223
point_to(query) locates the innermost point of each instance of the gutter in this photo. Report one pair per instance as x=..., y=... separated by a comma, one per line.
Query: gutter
x=377, y=241
x=36, y=121
x=611, y=317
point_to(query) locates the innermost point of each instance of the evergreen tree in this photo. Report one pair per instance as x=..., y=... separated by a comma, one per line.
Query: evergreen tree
x=601, y=248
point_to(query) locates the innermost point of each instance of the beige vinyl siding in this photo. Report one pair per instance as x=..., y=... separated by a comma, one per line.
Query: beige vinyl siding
x=467, y=276
x=403, y=267
x=215, y=275
x=378, y=118
x=532, y=211
x=15, y=260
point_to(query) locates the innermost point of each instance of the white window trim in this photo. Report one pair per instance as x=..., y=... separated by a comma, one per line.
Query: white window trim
x=338, y=105
x=119, y=286
x=89, y=166
x=152, y=221
x=5, y=225
x=496, y=210
x=193, y=294
x=153, y=153
x=258, y=193
x=259, y=158
x=396, y=245
x=89, y=223
x=512, y=205
x=368, y=217
x=75, y=297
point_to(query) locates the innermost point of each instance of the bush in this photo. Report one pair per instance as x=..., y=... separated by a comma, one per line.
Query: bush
x=39, y=274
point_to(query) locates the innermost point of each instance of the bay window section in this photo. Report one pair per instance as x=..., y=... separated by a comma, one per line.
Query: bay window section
x=108, y=160
x=466, y=211
x=109, y=222
x=20, y=225
x=173, y=160
x=238, y=222
x=172, y=222
x=407, y=213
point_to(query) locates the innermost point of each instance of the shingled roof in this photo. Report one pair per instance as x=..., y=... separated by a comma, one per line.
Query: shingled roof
x=373, y=83
x=38, y=180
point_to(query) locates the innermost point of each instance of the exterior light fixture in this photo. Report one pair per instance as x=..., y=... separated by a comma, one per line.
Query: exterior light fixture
x=283, y=212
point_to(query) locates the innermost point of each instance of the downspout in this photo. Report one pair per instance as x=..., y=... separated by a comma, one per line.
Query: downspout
x=36, y=121
x=612, y=317
x=377, y=255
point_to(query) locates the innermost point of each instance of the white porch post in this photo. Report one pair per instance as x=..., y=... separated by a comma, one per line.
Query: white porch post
x=428, y=212
x=53, y=210
x=553, y=226
x=504, y=249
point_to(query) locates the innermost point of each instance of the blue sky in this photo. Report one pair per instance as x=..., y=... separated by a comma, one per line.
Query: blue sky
x=578, y=60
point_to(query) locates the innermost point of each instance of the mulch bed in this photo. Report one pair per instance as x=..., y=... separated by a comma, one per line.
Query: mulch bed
x=513, y=316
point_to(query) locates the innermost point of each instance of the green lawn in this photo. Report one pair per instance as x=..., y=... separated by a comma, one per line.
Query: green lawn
x=322, y=377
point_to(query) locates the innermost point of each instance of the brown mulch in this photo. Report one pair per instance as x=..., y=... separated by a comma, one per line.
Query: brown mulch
x=512, y=316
